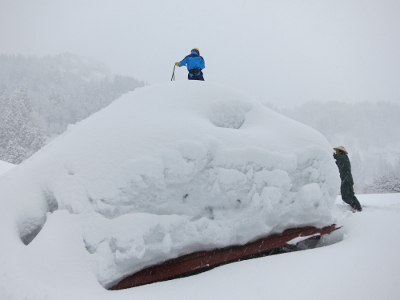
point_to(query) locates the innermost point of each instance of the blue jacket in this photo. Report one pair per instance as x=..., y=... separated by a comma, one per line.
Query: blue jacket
x=193, y=61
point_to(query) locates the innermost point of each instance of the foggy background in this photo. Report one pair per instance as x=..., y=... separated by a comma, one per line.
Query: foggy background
x=285, y=52
x=333, y=65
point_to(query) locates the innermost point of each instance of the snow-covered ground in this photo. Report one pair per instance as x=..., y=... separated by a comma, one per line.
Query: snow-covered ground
x=172, y=169
x=364, y=265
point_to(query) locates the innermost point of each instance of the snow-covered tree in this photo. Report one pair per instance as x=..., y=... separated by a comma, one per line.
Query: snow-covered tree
x=19, y=137
x=388, y=183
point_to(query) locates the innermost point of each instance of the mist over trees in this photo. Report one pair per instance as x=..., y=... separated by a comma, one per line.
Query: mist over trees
x=369, y=131
x=40, y=97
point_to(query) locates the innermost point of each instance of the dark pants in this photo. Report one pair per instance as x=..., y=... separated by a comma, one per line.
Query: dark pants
x=347, y=191
x=196, y=75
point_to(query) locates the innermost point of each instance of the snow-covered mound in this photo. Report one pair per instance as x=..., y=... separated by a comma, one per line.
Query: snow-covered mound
x=165, y=170
x=5, y=166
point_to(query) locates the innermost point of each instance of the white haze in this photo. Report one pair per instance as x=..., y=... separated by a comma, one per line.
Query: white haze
x=369, y=131
x=283, y=52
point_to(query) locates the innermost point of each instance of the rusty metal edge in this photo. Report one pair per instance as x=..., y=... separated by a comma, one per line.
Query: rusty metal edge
x=201, y=261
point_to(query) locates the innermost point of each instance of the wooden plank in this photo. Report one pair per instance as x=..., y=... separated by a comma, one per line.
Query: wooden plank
x=203, y=260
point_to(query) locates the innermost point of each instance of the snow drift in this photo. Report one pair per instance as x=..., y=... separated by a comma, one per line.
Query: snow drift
x=163, y=171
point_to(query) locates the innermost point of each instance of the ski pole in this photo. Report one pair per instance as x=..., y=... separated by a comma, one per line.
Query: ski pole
x=173, y=74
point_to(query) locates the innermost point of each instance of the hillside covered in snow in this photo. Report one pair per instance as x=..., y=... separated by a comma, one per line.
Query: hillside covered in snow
x=40, y=97
x=163, y=171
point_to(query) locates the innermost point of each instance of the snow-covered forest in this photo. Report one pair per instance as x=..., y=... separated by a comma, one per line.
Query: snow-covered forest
x=40, y=97
x=369, y=131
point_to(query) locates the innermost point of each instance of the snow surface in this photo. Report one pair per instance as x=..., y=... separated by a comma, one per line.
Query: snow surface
x=364, y=265
x=5, y=166
x=164, y=171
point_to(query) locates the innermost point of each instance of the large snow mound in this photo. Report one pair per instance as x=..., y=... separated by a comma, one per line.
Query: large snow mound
x=5, y=166
x=164, y=171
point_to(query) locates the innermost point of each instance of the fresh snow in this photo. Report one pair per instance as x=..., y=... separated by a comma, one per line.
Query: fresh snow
x=364, y=265
x=164, y=171
x=5, y=166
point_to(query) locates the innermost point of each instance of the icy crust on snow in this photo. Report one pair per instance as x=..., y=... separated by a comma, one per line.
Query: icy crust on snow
x=168, y=170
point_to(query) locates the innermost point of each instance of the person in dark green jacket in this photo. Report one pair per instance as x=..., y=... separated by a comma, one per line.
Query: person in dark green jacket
x=346, y=188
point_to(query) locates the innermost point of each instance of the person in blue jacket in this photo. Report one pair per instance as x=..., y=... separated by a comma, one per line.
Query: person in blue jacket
x=194, y=63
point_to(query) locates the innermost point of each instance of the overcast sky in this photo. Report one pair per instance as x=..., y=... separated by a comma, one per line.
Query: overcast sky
x=284, y=51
